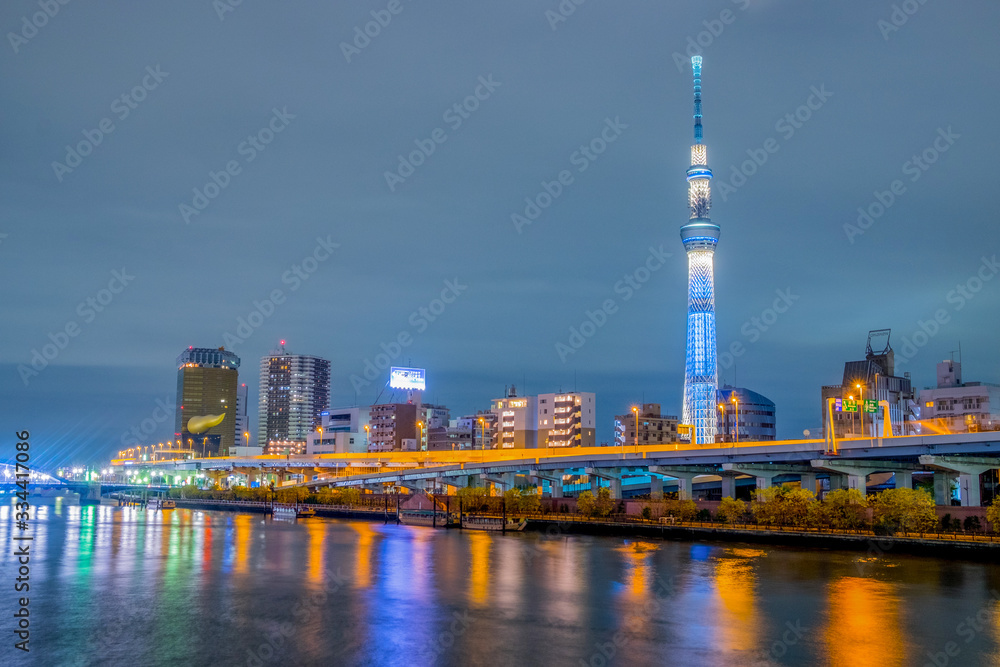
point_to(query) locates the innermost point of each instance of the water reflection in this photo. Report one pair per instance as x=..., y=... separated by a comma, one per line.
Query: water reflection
x=363, y=555
x=864, y=621
x=197, y=584
x=736, y=617
x=479, y=566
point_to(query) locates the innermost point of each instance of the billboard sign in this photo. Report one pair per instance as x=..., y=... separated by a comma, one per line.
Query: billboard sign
x=406, y=378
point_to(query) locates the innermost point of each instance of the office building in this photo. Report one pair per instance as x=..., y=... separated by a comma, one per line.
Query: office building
x=646, y=422
x=476, y=431
x=242, y=419
x=748, y=418
x=294, y=390
x=344, y=432
x=207, y=380
x=873, y=380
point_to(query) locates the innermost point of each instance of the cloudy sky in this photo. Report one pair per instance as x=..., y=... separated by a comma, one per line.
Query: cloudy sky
x=165, y=168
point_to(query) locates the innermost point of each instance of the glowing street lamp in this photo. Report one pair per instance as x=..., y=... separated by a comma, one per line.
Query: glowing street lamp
x=420, y=434
x=736, y=419
x=635, y=411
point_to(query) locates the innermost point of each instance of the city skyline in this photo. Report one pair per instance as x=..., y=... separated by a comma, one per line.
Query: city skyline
x=311, y=241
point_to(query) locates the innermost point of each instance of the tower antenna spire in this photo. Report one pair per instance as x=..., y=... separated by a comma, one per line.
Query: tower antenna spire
x=696, y=67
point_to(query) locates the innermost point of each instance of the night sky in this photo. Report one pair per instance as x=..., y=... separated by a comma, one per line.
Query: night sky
x=286, y=122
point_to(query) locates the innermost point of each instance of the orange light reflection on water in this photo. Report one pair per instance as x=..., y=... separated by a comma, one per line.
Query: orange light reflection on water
x=479, y=566
x=241, y=531
x=362, y=562
x=864, y=624
x=736, y=612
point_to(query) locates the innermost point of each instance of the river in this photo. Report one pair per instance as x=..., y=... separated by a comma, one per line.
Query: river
x=136, y=587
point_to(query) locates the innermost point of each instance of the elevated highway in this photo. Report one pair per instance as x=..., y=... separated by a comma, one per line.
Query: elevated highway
x=952, y=458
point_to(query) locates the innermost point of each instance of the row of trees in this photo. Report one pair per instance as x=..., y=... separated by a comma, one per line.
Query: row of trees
x=517, y=500
x=894, y=510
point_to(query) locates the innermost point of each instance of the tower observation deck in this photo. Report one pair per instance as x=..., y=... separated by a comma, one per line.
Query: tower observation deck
x=700, y=236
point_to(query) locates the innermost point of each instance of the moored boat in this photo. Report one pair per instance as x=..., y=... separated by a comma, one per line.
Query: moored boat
x=494, y=523
x=426, y=518
x=292, y=512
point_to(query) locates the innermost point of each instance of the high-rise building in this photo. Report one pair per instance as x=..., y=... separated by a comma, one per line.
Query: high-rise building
x=652, y=427
x=294, y=390
x=207, y=380
x=516, y=419
x=700, y=236
x=567, y=419
x=749, y=418
x=957, y=407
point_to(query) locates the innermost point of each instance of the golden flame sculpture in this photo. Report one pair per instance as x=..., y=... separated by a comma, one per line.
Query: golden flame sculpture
x=202, y=424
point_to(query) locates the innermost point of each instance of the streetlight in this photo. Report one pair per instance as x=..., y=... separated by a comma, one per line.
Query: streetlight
x=367, y=428
x=482, y=431
x=246, y=434
x=320, y=429
x=861, y=401
x=420, y=436
x=722, y=409
x=635, y=411
x=736, y=414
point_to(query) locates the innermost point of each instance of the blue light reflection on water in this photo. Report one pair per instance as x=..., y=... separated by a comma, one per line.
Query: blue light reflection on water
x=126, y=586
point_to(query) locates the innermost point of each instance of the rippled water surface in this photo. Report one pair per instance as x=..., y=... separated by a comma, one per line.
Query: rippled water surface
x=123, y=586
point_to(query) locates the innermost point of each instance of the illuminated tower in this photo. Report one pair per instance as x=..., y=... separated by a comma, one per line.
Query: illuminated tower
x=700, y=236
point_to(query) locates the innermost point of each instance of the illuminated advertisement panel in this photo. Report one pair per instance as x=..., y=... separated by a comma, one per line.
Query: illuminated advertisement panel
x=406, y=378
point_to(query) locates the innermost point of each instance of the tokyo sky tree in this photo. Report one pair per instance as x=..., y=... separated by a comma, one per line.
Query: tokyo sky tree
x=700, y=236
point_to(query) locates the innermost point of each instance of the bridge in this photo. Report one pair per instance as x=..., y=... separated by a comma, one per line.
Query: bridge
x=716, y=469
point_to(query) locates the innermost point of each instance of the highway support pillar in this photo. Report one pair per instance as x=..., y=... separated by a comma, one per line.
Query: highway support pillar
x=968, y=470
x=613, y=478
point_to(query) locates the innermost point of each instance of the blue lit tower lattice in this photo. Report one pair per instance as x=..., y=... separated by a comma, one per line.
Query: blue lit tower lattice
x=700, y=236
